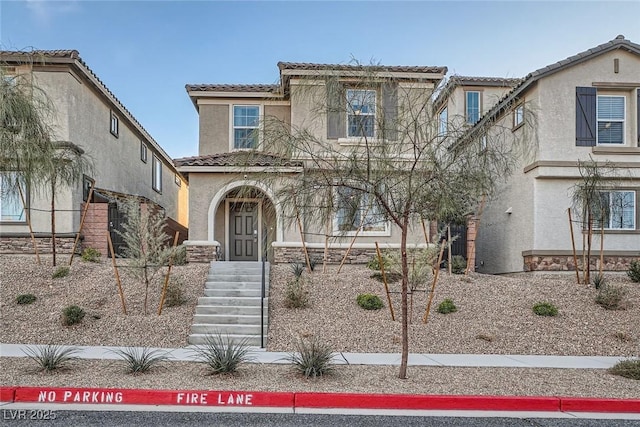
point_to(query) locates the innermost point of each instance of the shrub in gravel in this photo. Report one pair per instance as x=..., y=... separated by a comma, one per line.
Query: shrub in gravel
x=222, y=354
x=180, y=255
x=72, y=315
x=91, y=255
x=297, y=268
x=598, y=281
x=62, y=271
x=295, y=294
x=634, y=271
x=629, y=368
x=52, y=357
x=175, y=295
x=458, y=264
x=141, y=360
x=369, y=301
x=545, y=309
x=612, y=297
x=25, y=299
x=447, y=306
x=313, y=358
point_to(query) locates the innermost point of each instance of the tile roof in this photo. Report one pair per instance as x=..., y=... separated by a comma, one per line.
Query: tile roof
x=455, y=81
x=355, y=67
x=274, y=88
x=73, y=57
x=237, y=158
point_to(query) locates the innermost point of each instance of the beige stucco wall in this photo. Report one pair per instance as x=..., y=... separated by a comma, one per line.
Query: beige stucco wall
x=214, y=128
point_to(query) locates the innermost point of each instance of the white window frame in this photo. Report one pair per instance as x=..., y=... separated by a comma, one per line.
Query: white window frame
x=114, y=124
x=16, y=201
x=443, y=122
x=518, y=116
x=623, y=120
x=350, y=95
x=609, y=222
x=466, y=106
x=364, y=204
x=177, y=180
x=156, y=174
x=143, y=152
x=232, y=127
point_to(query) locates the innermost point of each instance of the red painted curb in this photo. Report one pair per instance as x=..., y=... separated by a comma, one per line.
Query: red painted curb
x=579, y=404
x=153, y=397
x=7, y=394
x=426, y=402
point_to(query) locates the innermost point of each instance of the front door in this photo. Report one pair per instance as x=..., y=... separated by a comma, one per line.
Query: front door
x=243, y=231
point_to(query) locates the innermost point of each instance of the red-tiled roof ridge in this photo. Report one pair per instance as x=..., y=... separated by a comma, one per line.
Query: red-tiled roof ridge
x=237, y=158
x=256, y=87
x=391, y=68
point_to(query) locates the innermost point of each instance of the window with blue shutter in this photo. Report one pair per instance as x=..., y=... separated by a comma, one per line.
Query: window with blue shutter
x=585, y=116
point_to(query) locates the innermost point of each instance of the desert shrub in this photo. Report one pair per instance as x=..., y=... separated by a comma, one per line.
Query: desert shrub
x=313, y=358
x=51, y=357
x=634, y=271
x=222, y=354
x=25, y=299
x=629, y=368
x=180, y=255
x=91, y=255
x=374, y=262
x=622, y=336
x=313, y=261
x=369, y=301
x=62, y=271
x=612, y=297
x=72, y=315
x=484, y=337
x=175, y=294
x=297, y=268
x=141, y=360
x=545, y=309
x=598, y=281
x=458, y=264
x=296, y=295
x=447, y=306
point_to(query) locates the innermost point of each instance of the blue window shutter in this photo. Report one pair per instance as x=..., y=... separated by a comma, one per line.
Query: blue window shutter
x=585, y=116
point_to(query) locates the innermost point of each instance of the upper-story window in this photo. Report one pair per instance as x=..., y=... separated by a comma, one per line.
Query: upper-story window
x=114, y=126
x=442, y=122
x=472, y=106
x=246, y=120
x=143, y=151
x=156, y=174
x=11, y=206
x=361, y=113
x=610, y=116
x=518, y=116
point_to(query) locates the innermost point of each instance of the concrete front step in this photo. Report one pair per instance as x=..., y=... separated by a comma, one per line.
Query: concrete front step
x=254, y=340
x=224, y=329
x=226, y=319
x=232, y=285
x=239, y=277
x=236, y=301
x=232, y=293
x=231, y=310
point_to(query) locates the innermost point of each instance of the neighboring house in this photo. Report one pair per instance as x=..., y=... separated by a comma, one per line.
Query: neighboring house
x=127, y=160
x=581, y=108
x=230, y=206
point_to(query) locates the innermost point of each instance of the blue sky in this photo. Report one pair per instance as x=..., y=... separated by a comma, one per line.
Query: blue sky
x=146, y=51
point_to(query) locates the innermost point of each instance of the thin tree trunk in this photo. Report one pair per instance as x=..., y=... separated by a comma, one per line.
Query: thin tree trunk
x=573, y=246
x=405, y=315
x=449, y=247
x=589, y=239
x=53, y=220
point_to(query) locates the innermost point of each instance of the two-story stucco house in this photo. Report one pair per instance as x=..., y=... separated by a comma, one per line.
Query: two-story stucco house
x=580, y=108
x=222, y=210
x=127, y=160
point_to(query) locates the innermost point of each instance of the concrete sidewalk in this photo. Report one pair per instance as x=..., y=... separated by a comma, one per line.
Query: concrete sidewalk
x=415, y=359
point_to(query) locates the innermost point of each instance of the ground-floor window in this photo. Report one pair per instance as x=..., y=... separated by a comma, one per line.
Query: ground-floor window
x=616, y=210
x=355, y=209
x=11, y=207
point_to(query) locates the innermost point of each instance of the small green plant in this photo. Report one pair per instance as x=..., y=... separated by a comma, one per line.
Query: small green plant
x=72, y=315
x=179, y=255
x=51, y=357
x=458, y=264
x=634, y=271
x=91, y=255
x=545, y=309
x=598, y=281
x=312, y=359
x=295, y=295
x=223, y=355
x=62, y=271
x=612, y=297
x=313, y=261
x=297, y=268
x=622, y=336
x=369, y=301
x=26, y=299
x=141, y=360
x=629, y=368
x=447, y=306
x=175, y=295
x=374, y=263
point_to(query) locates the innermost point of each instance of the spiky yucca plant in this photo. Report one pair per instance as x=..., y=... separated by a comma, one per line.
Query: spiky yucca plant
x=139, y=360
x=52, y=357
x=313, y=358
x=222, y=354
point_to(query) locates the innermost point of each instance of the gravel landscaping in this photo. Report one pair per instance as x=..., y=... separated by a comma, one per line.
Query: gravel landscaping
x=494, y=317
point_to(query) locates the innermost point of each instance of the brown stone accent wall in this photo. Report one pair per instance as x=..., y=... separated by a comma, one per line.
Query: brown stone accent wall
x=201, y=253
x=95, y=227
x=566, y=263
x=23, y=245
